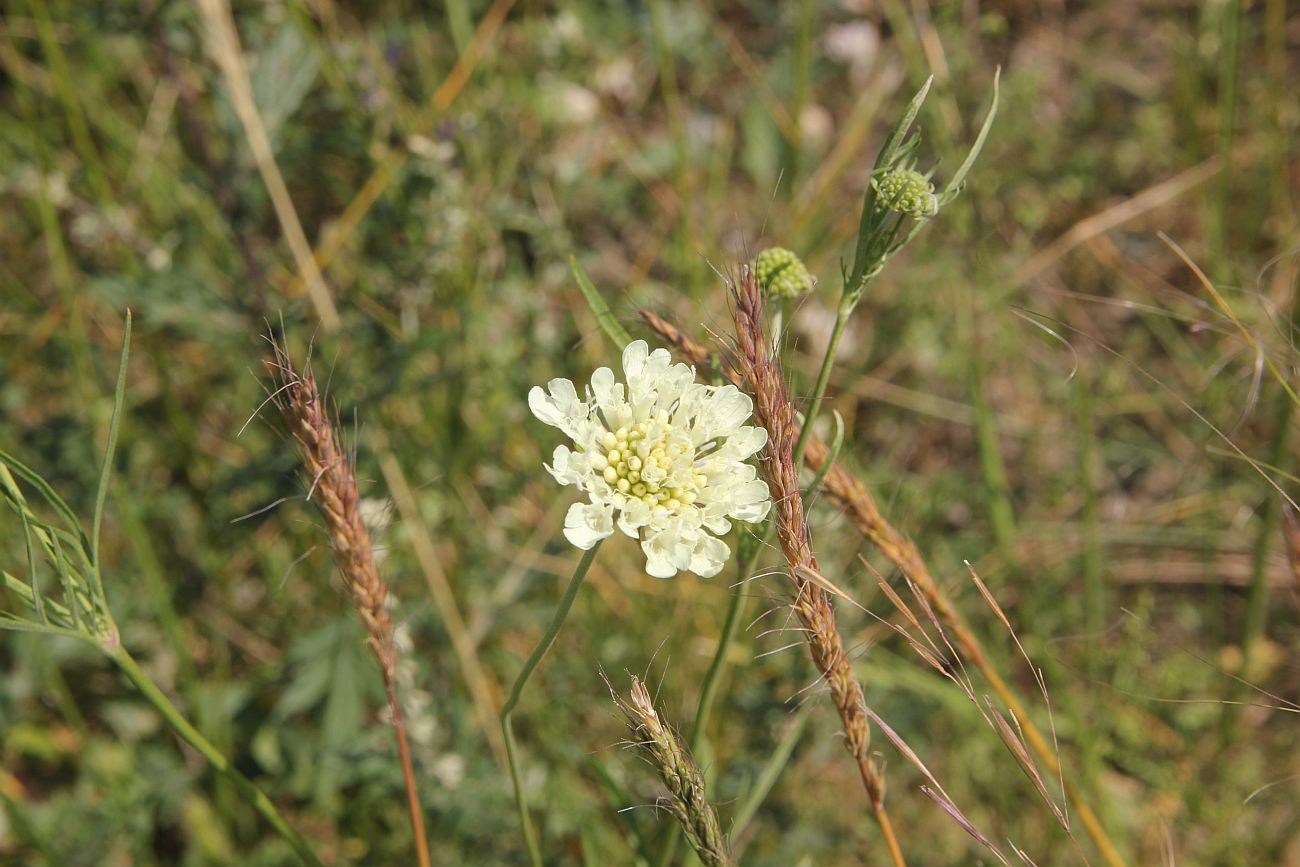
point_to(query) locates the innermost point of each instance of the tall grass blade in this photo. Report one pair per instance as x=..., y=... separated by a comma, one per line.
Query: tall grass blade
x=604, y=316
x=106, y=472
x=959, y=177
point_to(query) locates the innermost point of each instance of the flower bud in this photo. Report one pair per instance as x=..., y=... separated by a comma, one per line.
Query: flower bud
x=908, y=192
x=782, y=274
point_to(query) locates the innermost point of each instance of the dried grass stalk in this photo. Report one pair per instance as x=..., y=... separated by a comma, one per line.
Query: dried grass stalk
x=333, y=487
x=762, y=377
x=687, y=799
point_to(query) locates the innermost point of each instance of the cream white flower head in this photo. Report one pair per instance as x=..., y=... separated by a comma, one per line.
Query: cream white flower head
x=663, y=457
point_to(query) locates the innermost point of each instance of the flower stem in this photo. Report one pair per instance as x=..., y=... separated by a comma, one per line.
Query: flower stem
x=713, y=677
x=842, y=315
x=507, y=726
x=183, y=729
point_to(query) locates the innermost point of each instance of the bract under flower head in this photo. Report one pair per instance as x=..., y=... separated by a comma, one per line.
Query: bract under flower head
x=661, y=457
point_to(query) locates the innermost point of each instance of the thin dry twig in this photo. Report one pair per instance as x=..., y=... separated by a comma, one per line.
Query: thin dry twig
x=334, y=489
x=223, y=41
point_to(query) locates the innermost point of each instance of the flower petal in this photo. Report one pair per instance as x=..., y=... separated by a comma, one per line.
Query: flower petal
x=561, y=408
x=709, y=556
x=585, y=524
x=659, y=555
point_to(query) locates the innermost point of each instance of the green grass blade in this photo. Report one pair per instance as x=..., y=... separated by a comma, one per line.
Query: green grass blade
x=10, y=463
x=604, y=316
x=898, y=133
x=959, y=179
x=106, y=473
x=13, y=497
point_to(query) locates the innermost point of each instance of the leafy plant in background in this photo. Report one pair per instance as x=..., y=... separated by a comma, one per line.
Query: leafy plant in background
x=74, y=604
x=447, y=264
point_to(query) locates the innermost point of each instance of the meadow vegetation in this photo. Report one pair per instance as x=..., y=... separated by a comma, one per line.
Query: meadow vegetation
x=1047, y=480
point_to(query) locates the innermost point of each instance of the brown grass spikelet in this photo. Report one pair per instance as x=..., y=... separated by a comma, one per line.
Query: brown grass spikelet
x=762, y=378
x=333, y=487
x=773, y=410
x=687, y=800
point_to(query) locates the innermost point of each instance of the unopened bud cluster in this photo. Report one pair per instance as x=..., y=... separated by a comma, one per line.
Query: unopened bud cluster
x=907, y=191
x=782, y=274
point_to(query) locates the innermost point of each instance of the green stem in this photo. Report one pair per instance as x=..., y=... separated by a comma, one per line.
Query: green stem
x=823, y=377
x=713, y=678
x=1229, y=53
x=1271, y=513
x=507, y=726
x=183, y=729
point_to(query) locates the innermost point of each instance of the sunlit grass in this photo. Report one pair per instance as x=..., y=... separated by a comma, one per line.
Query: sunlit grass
x=1038, y=384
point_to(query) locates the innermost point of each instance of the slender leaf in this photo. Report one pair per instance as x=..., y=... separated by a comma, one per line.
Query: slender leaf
x=106, y=473
x=833, y=452
x=34, y=479
x=898, y=132
x=604, y=316
x=958, y=179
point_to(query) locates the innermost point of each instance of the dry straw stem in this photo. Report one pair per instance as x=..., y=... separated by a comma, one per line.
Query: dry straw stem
x=390, y=166
x=223, y=42
x=761, y=375
x=846, y=492
x=333, y=485
x=482, y=688
x=687, y=800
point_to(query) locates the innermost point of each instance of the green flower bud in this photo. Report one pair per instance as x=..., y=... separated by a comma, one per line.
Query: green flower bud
x=782, y=274
x=907, y=192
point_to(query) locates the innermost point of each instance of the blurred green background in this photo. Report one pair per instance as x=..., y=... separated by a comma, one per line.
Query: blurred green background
x=1037, y=385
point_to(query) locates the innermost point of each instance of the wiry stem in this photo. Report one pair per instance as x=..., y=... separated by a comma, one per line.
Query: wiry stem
x=746, y=566
x=773, y=410
x=217, y=759
x=334, y=488
x=507, y=710
x=842, y=313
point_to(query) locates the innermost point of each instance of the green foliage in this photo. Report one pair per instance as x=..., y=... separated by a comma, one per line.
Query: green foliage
x=127, y=184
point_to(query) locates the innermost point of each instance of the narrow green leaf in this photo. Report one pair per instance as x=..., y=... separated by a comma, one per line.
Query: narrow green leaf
x=34, y=479
x=17, y=624
x=958, y=179
x=38, y=601
x=604, y=316
x=20, y=588
x=898, y=133
x=106, y=473
x=832, y=454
